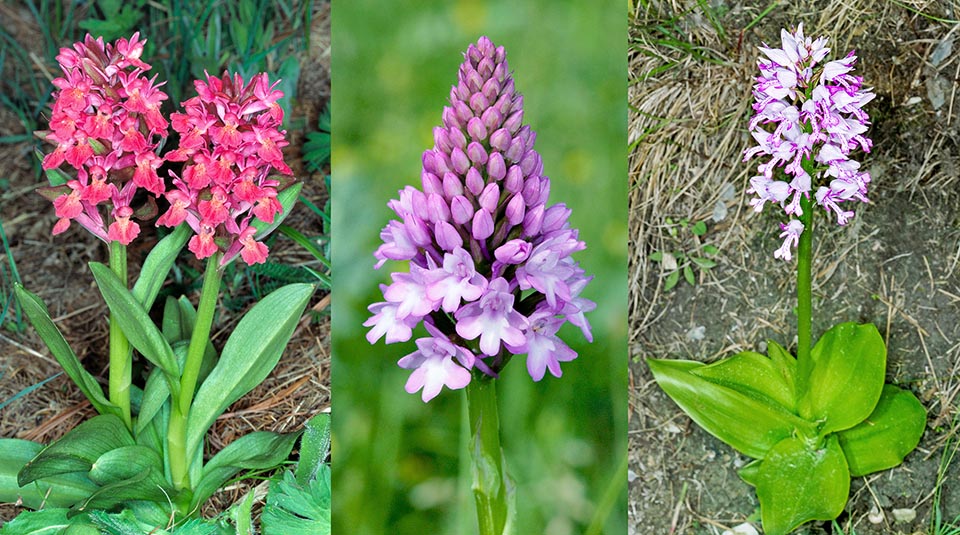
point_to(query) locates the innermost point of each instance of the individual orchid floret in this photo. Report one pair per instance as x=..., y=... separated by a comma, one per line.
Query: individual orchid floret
x=230, y=145
x=105, y=121
x=490, y=268
x=808, y=119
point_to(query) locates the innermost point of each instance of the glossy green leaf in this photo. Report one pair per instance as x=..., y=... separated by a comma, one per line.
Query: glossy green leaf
x=249, y=355
x=703, y=263
x=58, y=491
x=136, y=323
x=750, y=472
x=799, y=482
x=751, y=374
x=48, y=521
x=891, y=432
x=255, y=451
x=157, y=265
x=40, y=319
x=846, y=379
x=785, y=365
x=77, y=450
x=124, y=463
x=749, y=424
x=314, y=447
x=688, y=275
x=140, y=486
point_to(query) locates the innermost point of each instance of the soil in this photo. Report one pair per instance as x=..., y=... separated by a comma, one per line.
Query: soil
x=55, y=268
x=897, y=264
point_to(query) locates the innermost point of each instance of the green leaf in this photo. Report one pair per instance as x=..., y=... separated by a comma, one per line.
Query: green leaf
x=751, y=374
x=57, y=177
x=656, y=256
x=314, y=447
x=786, y=366
x=748, y=424
x=703, y=263
x=157, y=265
x=59, y=491
x=48, y=521
x=128, y=473
x=40, y=319
x=242, y=515
x=292, y=508
x=891, y=432
x=710, y=249
x=798, y=483
x=249, y=355
x=255, y=451
x=750, y=472
x=688, y=275
x=135, y=323
x=672, y=280
x=846, y=378
x=77, y=450
x=699, y=228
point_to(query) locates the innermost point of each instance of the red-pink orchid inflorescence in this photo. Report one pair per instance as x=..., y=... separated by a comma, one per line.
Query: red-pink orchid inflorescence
x=106, y=118
x=229, y=142
x=107, y=125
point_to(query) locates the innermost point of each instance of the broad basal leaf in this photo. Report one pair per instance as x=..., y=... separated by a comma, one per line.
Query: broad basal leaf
x=748, y=424
x=57, y=491
x=751, y=374
x=157, y=265
x=799, y=482
x=849, y=362
x=891, y=432
x=78, y=449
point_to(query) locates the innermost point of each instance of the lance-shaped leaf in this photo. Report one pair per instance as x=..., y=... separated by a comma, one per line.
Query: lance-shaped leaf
x=846, y=379
x=157, y=265
x=59, y=491
x=128, y=473
x=136, y=324
x=77, y=450
x=891, y=432
x=751, y=374
x=40, y=319
x=255, y=451
x=249, y=355
x=751, y=425
x=799, y=482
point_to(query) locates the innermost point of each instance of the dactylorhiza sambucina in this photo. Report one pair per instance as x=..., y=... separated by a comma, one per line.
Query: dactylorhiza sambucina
x=491, y=273
x=817, y=120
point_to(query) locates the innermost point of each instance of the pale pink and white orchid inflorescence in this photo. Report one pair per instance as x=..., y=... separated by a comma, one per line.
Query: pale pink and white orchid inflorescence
x=809, y=118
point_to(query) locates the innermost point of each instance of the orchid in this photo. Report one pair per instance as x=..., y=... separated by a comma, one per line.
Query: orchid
x=486, y=250
x=813, y=421
x=105, y=119
x=816, y=114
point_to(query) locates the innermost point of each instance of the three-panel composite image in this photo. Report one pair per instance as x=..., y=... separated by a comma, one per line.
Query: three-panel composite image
x=467, y=267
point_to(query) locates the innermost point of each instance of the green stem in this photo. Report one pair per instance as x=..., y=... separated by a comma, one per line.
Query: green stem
x=804, y=295
x=490, y=485
x=177, y=435
x=121, y=374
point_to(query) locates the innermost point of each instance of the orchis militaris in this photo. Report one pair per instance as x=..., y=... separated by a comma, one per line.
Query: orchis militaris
x=490, y=274
x=813, y=421
x=146, y=444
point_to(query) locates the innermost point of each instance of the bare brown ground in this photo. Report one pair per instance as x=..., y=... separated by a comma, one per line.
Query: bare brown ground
x=895, y=265
x=55, y=269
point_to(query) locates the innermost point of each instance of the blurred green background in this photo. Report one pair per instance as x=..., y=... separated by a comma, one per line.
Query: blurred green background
x=397, y=461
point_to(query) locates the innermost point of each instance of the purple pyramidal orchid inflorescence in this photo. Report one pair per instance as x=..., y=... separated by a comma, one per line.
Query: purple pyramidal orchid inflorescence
x=491, y=273
x=809, y=118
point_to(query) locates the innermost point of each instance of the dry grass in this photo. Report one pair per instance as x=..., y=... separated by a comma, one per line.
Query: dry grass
x=689, y=93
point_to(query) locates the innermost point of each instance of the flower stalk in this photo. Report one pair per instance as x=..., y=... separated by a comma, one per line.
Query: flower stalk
x=121, y=375
x=490, y=485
